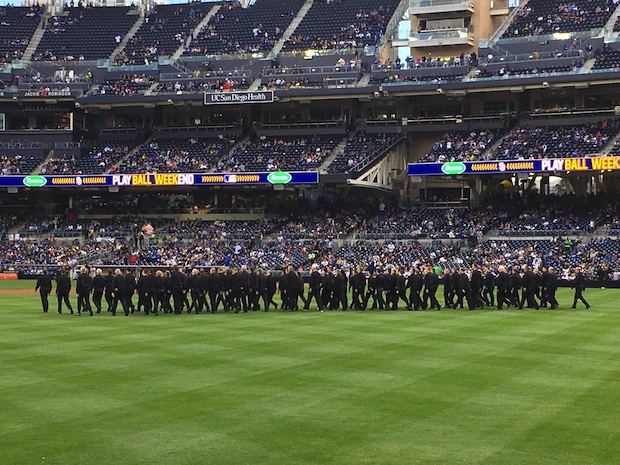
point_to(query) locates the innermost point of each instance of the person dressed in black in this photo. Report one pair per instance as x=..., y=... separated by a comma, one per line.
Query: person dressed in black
x=109, y=289
x=488, y=293
x=63, y=288
x=528, y=287
x=341, y=290
x=431, y=283
x=195, y=290
x=253, y=294
x=261, y=287
x=476, y=283
x=130, y=286
x=390, y=289
x=158, y=292
x=515, y=285
x=99, y=285
x=244, y=278
x=119, y=292
x=44, y=287
x=143, y=287
x=543, y=281
x=236, y=289
x=272, y=288
x=178, y=289
x=401, y=289
x=83, y=287
x=315, y=285
x=415, y=284
x=503, y=288
x=459, y=292
x=579, y=285
x=212, y=288
x=464, y=290
x=448, y=289
x=551, y=285
x=357, y=283
x=329, y=287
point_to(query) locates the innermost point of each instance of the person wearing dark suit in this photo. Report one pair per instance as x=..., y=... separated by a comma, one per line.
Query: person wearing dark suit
x=83, y=287
x=315, y=285
x=272, y=288
x=178, y=289
x=244, y=279
x=253, y=294
x=236, y=289
x=63, y=288
x=341, y=290
x=119, y=292
x=503, y=288
x=431, y=283
x=109, y=289
x=458, y=291
x=357, y=282
x=401, y=289
x=130, y=286
x=528, y=286
x=143, y=287
x=515, y=285
x=488, y=293
x=195, y=289
x=158, y=292
x=329, y=288
x=551, y=285
x=211, y=285
x=44, y=287
x=99, y=285
x=579, y=286
x=390, y=289
x=261, y=288
x=415, y=284
x=476, y=282
x=448, y=289
x=203, y=283
x=465, y=284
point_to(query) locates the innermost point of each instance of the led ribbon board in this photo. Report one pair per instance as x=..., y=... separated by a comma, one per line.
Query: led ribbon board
x=162, y=179
x=547, y=165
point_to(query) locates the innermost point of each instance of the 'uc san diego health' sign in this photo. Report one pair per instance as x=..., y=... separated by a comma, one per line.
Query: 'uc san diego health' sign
x=219, y=98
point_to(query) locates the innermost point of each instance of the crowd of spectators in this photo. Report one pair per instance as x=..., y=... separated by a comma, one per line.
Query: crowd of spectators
x=366, y=29
x=361, y=149
x=436, y=79
x=524, y=143
x=176, y=156
x=165, y=29
x=415, y=223
x=202, y=85
x=18, y=164
x=63, y=164
x=506, y=70
x=461, y=146
x=18, y=25
x=125, y=85
x=279, y=153
x=423, y=61
x=540, y=17
x=367, y=236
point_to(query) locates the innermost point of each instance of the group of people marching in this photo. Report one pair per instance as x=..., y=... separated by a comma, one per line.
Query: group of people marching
x=245, y=289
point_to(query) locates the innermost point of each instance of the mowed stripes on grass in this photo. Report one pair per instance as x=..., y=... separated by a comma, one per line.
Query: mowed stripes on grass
x=449, y=387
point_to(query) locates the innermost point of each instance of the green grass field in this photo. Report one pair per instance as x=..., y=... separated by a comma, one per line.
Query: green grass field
x=449, y=387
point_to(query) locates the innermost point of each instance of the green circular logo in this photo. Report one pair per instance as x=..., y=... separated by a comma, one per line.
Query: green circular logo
x=279, y=177
x=34, y=181
x=453, y=167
